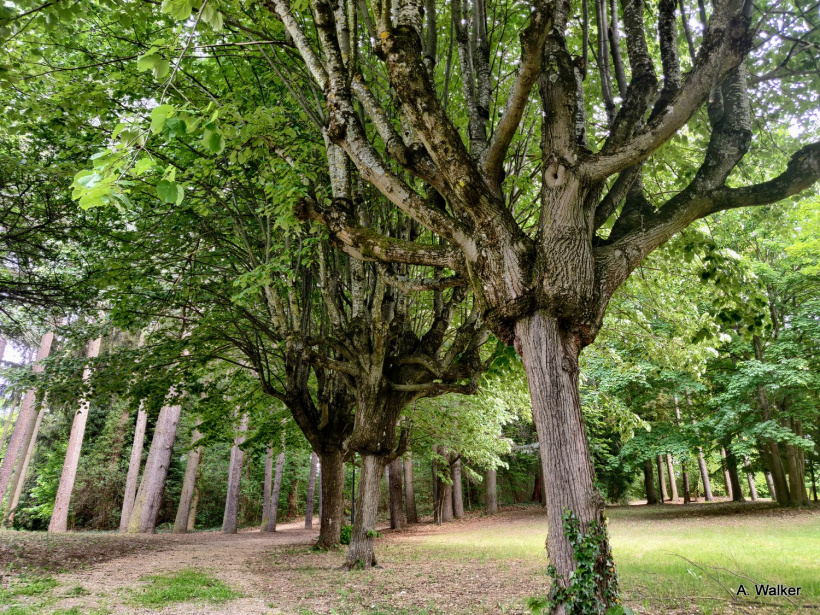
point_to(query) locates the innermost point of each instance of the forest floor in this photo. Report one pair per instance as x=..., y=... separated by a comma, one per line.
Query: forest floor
x=672, y=559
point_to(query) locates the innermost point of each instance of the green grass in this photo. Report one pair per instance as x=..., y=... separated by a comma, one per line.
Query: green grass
x=182, y=586
x=649, y=545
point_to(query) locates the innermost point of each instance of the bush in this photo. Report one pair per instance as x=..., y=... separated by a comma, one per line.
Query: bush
x=344, y=535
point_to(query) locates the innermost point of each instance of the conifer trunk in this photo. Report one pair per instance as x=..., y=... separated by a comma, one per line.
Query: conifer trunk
x=361, y=554
x=410, y=511
x=491, y=491
x=274, y=498
x=394, y=469
x=311, y=490
x=188, y=484
x=25, y=420
x=132, y=479
x=458, y=497
x=230, y=517
x=143, y=518
x=59, y=518
x=20, y=475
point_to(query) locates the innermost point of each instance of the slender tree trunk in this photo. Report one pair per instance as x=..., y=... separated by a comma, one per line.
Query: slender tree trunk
x=704, y=476
x=662, y=480
x=409, y=490
x=360, y=554
x=132, y=480
x=734, y=477
x=687, y=494
x=274, y=498
x=458, y=497
x=59, y=518
x=20, y=475
x=727, y=479
x=670, y=470
x=550, y=356
x=188, y=484
x=331, y=497
x=12, y=405
x=266, y=487
x=813, y=481
x=143, y=519
x=491, y=491
x=311, y=490
x=750, y=478
x=649, y=483
x=394, y=485
x=25, y=420
x=770, y=485
x=230, y=517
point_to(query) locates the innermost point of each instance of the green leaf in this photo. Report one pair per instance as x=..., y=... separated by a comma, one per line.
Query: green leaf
x=170, y=192
x=216, y=142
x=159, y=115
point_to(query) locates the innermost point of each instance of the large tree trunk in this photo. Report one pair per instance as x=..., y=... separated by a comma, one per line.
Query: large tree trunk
x=12, y=405
x=149, y=496
x=704, y=476
x=734, y=477
x=409, y=490
x=274, y=498
x=649, y=483
x=661, y=481
x=491, y=491
x=311, y=490
x=750, y=478
x=192, y=513
x=797, y=480
x=727, y=479
x=230, y=517
x=293, y=497
x=266, y=487
x=331, y=498
x=22, y=469
x=394, y=486
x=132, y=480
x=59, y=518
x=25, y=421
x=188, y=484
x=670, y=470
x=458, y=497
x=550, y=357
x=360, y=553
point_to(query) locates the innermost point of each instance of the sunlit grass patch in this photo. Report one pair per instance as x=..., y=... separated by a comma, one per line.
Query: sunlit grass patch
x=27, y=586
x=182, y=586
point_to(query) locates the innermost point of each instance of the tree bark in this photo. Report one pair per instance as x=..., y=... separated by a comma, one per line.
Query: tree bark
x=149, y=496
x=293, y=496
x=704, y=476
x=734, y=477
x=661, y=480
x=361, y=554
x=491, y=491
x=770, y=485
x=311, y=489
x=727, y=479
x=12, y=405
x=394, y=485
x=132, y=479
x=188, y=484
x=25, y=420
x=649, y=483
x=797, y=481
x=59, y=518
x=670, y=470
x=687, y=494
x=274, y=498
x=231, y=516
x=20, y=475
x=409, y=490
x=192, y=513
x=750, y=477
x=458, y=497
x=550, y=356
x=331, y=497
x=266, y=488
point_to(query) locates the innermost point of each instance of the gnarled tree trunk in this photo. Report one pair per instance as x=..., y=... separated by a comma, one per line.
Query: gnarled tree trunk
x=361, y=554
x=409, y=490
x=550, y=356
x=311, y=490
x=132, y=479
